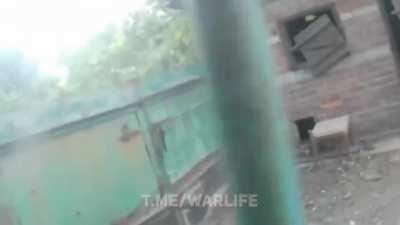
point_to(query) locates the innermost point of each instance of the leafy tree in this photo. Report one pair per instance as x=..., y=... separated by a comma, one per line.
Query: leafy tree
x=18, y=77
x=151, y=40
x=16, y=71
x=154, y=39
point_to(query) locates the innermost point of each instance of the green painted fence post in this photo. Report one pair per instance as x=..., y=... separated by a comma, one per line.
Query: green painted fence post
x=153, y=145
x=234, y=40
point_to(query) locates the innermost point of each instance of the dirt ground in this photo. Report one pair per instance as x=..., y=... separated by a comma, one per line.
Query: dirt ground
x=354, y=189
x=357, y=189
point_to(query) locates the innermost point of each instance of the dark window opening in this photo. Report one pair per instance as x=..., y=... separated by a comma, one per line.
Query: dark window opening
x=314, y=39
x=299, y=57
x=302, y=21
x=304, y=126
x=393, y=23
x=393, y=20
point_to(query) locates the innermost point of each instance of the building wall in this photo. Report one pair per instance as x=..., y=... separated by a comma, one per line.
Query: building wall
x=90, y=173
x=364, y=84
x=88, y=176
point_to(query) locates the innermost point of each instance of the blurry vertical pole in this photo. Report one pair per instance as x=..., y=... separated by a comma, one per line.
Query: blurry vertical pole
x=233, y=35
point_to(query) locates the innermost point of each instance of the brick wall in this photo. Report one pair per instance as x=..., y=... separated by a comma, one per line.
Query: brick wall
x=364, y=84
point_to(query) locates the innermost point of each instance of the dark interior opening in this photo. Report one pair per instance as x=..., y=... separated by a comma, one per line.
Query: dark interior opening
x=394, y=24
x=304, y=125
x=299, y=57
x=299, y=23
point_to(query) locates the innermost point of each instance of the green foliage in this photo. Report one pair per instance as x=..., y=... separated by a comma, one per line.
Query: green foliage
x=18, y=77
x=42, y=91
x=16, y=71
x=151, y=40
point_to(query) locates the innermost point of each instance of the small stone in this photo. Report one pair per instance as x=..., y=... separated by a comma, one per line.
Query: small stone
x=366, y=146
x=309, y=204
x=371, y=175
x=342, y=181
x=350, y=203
x=348, y=164
x=347, y=195
x=311, y=168
x=327, y=219
x=352, y=222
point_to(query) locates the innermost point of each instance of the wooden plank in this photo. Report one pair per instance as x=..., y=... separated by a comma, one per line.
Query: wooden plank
x=322, y=45
x=331, y=60
x=331, y=126
x=311, y=30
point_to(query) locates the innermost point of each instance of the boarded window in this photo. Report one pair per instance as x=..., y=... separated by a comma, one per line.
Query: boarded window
x=315, y=40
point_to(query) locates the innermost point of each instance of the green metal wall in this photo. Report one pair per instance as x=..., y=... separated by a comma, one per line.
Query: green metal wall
x=89, y=175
